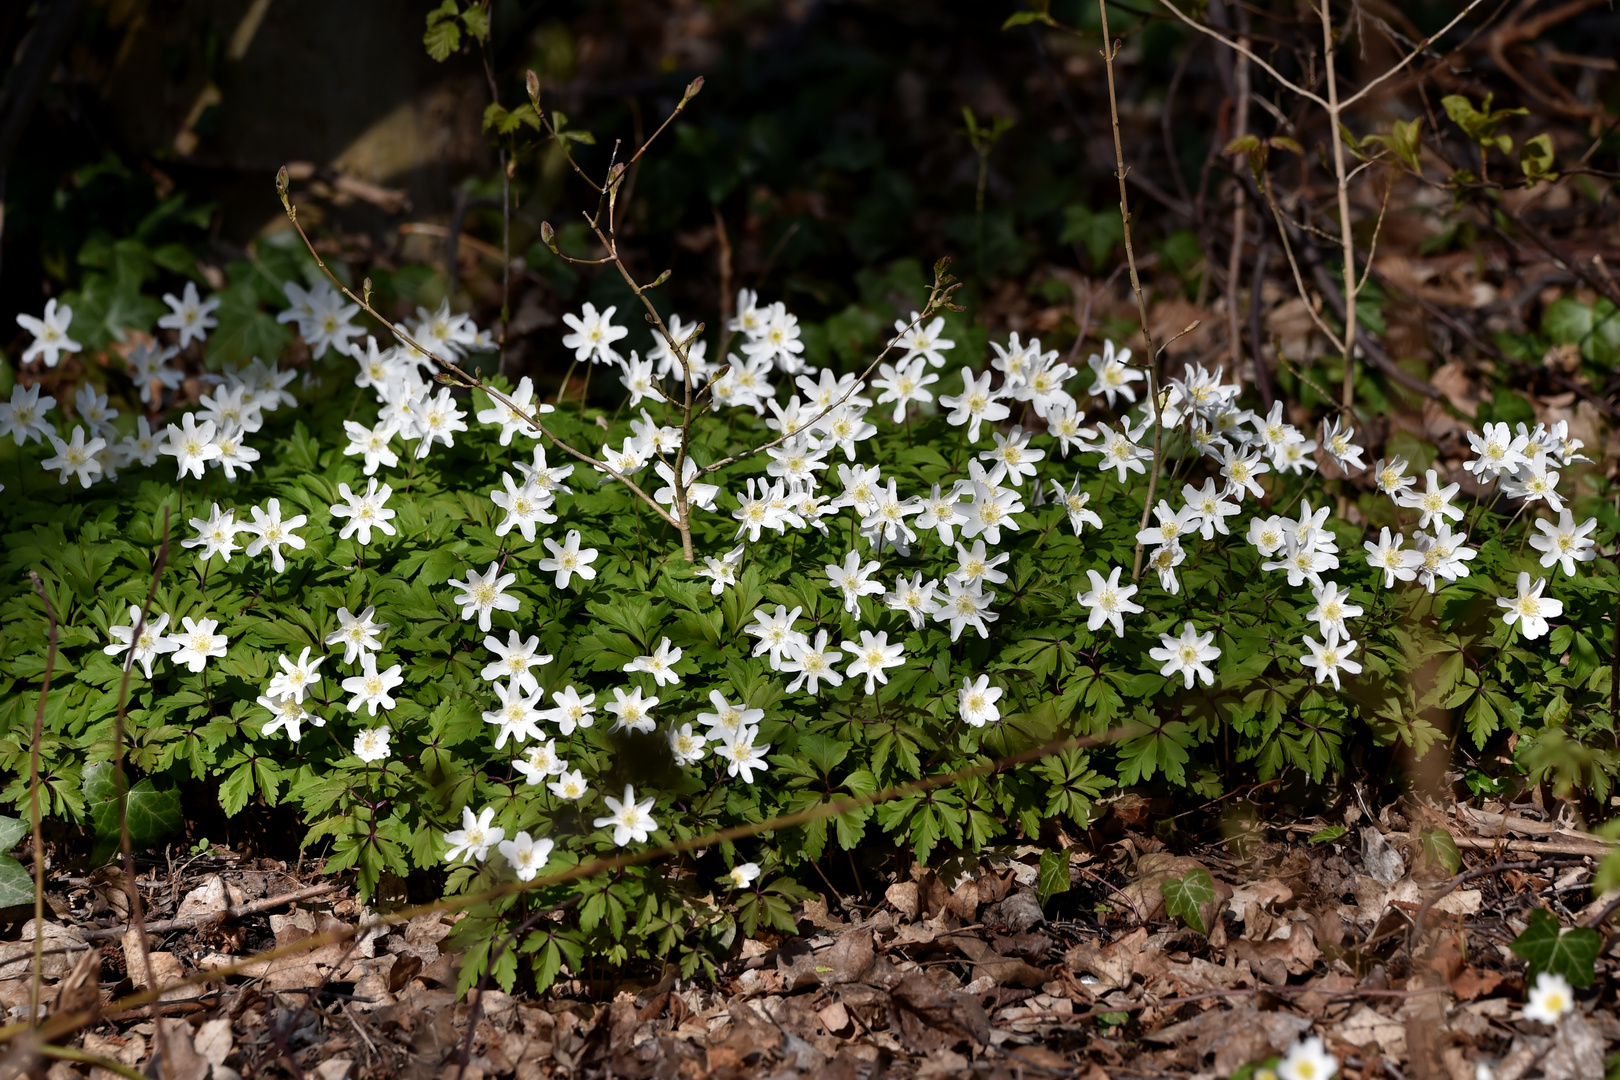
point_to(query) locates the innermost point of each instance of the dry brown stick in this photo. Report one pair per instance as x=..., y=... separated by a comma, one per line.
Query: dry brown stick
x=1449, y=887
x=1594, y=848
x=192, y=922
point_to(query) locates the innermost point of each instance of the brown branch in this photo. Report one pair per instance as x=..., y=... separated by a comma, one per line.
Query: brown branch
x=192, y=922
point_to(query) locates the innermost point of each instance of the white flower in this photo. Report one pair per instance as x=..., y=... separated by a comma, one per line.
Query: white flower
x=966, y=604
x=1330, y=657
x=634, y=711
x=1065, y=423
x=192, y=444
x=232, y=406
x=943, y=513
x=483, y=594
x=1075, y=504
x=872, y=656
x=1391, y=477
x=1434, y=502
x=1268, y=535
x=197, y=643
x=1307, y=1059
x=296, y=676
x=1499, y=452
x=915, y=598
x=572, y=711
x=1332, y=608
x=699, y=495
x=148, y=366
x=1121, y=450
x=512, y=420
x=1565, y=543
x=372, y=442
x=1549, y=999
x=540, y=761
x=904, y=383
x=976, y=404
x=741, y=754
x=723, y=570
x=813, y=662
x=287, y=712
x=517, y=715
x=1109, y=601
x=1112, y=375
x=594, y=335
x=93, y=410
x=993, y=506
x=365, y=512
x=660, y=665
x=142, y=446
x=854, y=580
x=687, y=747
x=370, y=688
x=190, y=315
x=1187, y=655
x=1164, y=560
x=233, y=452
x=567, y=559
x=1241, y=471
x=526, y=855
x=372, y=744
x=439, y=422
x=1012, y=450
x=76, y=457
x=1530, y=609
x=977, y=701
x=151, y=643
x=1397, y=563
x=1336, y=441
x=1535, y=480
x=923, y=342
x=270, y=531
x=741, y=876
x=50, y=334
x=631, y=820
x=475, y=837
x=569, y=786
x=357, y=633
x=514, y=659
x=1444, y=556
x=23, y=417
x=1172, y=524
x=727, y=718
x=669, y=360
x=1211, y=507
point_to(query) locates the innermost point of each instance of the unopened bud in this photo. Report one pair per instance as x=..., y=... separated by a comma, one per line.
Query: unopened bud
x=282, y=180
x=660, y=279
x=548, y=235
x=532, y=82
x=693, y=88
x=365, y=291
x=443, y=378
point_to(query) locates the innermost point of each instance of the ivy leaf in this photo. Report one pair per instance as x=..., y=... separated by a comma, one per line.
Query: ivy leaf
x=153, y=812
x=16, y=883
x=1439, y=849
x=1327, y=835
x=1054, y=877
x=1185, y=897
x=12, y=830
x=1547, y=947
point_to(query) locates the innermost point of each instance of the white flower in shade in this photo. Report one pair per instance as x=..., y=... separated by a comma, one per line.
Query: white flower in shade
x=872, y=656
x=854, y=580
x=1211, y=507
x=512, y=420
x=190, y=315
x=975, y=405
x=944, y=512
x=1434, y=502
x=1530, y=609
x=151, y=643
x=296, y=676
x=567, y=559
x=1113, y=377
x=742, y=875
x=1075, y=503
x=517, y=715
x=232, y=406
x=514, y=659
x=687, y=747
x=270, y=531
x=484, y=594
x=372, y=744
x=356, y=633
x=76, y=457
x=722, y=571
x=371, y=687
x=1330, y=657
x=634, y=711
x=594, y=334
x=287, y=712
x=23, y=417
x=629, y=819
x=140, y=446
x=670, y=360
x=1307, y=1059
x=1065, y=423
x=1565, y=543
x=570, y=786
x=1550, y=998
x=1163, y=561
x=50, y=334
x=1336, y=440
x=540, y=761
x=1332, y=608
x=192, y=444
x=812, y=661
x=365, y=511
x=372, y=442
x=1109, y=601
x=478, y=833
x=660, y=665
x=1499, y=451
x=573, y=710
x=94, y=410
x=1013, y=452
x=915, y=598
x=727, y=718
x=526, y=854
x=742, y=755
x=1397, y=563
x=148, y=367
x=966, y=605
x=977, y=701
x=1536, y=479
x=1187, y=656
x=197, y=643
x=1444, y=556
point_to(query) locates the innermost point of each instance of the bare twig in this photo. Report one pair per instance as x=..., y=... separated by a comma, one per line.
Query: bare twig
x=192, y=922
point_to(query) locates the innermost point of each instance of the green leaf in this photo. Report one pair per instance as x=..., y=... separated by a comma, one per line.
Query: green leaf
x=1099, y=232
x=1547, y=947
x=153, y=812
x=1536, y=159
x=1327, y=835
x=476, y=20
x=16, y=883
x=12, y=830
x=1439, y=849
x=443, y=35
x=244, y=330
x=1054, y=876
x=1185, y=897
